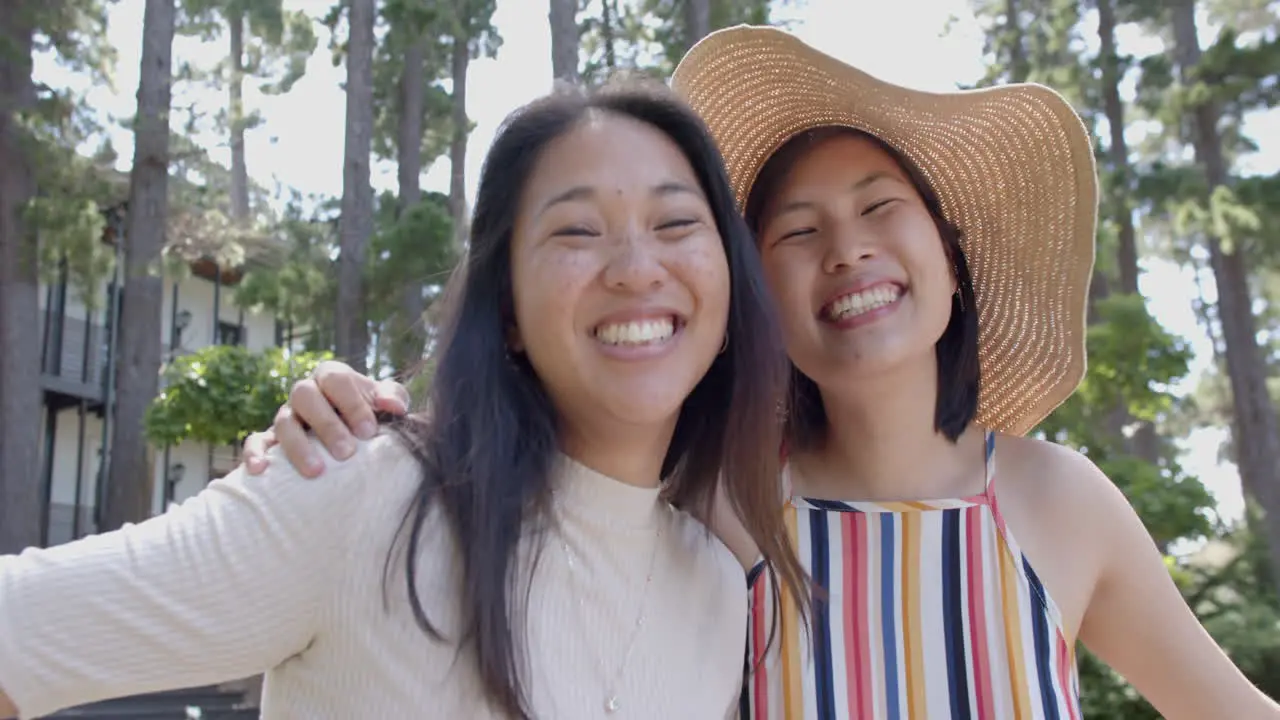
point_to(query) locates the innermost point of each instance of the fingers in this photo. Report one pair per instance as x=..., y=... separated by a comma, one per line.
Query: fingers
x=255, y=451
x=351, y=393
x=308, y=404
x=293, y=440
x=392, y=397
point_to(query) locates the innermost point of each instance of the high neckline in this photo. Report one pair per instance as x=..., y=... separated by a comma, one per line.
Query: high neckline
x=585, y=492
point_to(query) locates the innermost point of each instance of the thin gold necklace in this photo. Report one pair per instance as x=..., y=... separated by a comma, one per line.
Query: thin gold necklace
x=612, y=701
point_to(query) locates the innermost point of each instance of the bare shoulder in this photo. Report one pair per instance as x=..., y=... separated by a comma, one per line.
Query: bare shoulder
x=1057, y=478
x=1063, y=511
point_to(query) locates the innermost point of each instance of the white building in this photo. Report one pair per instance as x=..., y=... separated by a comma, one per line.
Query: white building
x=198, y=310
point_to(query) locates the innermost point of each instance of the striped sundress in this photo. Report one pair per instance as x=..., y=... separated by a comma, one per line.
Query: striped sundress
x=932, y=612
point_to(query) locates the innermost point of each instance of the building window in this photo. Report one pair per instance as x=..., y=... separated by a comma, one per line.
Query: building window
x=230, y=334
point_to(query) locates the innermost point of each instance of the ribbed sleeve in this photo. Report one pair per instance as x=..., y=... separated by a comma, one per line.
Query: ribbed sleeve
x=285, y=575
x=226, y=585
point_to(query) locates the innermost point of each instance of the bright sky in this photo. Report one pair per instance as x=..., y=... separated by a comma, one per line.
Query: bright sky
x=301, y=143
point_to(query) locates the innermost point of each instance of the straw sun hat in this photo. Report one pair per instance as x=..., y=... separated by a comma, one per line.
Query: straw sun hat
x=1013, y=166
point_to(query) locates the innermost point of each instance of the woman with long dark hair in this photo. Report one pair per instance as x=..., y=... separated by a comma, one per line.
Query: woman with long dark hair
x=930, y=256
x=528, y=551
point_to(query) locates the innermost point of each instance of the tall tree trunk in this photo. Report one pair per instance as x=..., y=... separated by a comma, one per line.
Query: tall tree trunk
x=356, y=224
x=608, y=14
x=564, y=40
x=1019, y=66
x=129, y=482
x=409, y=140
x=20, y=497
x=1145, y=444
x=239, y=171
x=408, y=331
x=1118, y=152
x=1257, y=432
x=461, y=129
x=697, y=21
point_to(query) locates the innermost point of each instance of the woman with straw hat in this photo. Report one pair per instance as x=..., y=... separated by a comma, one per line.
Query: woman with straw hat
x=930, y=255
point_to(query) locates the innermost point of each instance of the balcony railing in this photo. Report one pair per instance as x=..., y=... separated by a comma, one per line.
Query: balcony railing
x=74, y=356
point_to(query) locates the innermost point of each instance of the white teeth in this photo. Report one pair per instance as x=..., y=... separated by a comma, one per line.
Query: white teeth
x=858, y=303
x=644, y=332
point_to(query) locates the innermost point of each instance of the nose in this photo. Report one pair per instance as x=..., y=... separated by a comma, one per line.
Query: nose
x=848, y=246
x=635, y=266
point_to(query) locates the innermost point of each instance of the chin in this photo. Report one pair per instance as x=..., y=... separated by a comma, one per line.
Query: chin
x=837, y=366
x=656, y=408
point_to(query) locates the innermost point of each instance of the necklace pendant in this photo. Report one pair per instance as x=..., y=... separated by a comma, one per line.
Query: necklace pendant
x=611, y=704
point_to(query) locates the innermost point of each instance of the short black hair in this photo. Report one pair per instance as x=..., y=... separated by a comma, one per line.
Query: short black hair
x=959, y=374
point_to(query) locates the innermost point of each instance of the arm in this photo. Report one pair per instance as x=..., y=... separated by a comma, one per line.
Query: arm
x=229, y=584
x=1138, y=623
x=338, y=404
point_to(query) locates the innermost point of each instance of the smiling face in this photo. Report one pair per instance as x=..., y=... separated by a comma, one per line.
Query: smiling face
x=855, y=261
x=620, y=282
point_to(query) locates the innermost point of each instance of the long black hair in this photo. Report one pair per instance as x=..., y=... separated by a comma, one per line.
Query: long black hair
x=487, y=440
x=959, y=375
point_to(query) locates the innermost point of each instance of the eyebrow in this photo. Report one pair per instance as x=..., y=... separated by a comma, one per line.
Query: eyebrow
x=586, y=192
x=859, y=185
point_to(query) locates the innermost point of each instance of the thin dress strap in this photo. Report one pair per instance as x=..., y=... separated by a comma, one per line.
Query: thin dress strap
x=989, y=445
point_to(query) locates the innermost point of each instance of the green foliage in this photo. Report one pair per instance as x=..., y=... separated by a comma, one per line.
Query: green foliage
x=277, y=42
x=669, y=29
x=415, y=248
x=75, y=32
x=650, y=36
x=620, y=39
x=406, y=22
x=412, y=251
x=410, y=248
x=74, y=191
x=1238, y=74
x=1229, y=587
x=1106, y=696
x=222, y=393
x=1042, y=45
x=1132, y=363
x=1132, y=358
x=69, y=211
x=300, y=288
x=1259, y=196
x=403, y=22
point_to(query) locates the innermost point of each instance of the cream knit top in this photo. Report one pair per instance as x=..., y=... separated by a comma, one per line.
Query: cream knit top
x=282, y=574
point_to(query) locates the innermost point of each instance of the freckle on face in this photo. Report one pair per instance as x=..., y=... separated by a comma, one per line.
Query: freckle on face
x=565, y=282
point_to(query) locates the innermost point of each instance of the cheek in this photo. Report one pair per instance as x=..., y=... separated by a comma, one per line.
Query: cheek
x=546, y=289
x=791, y=287
x=938, y=285
x=704, y=269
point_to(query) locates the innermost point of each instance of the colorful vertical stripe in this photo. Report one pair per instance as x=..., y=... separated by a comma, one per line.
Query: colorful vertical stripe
x=931, y=612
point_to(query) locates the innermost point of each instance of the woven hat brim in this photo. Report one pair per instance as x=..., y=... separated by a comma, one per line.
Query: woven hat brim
x=1013, y=166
